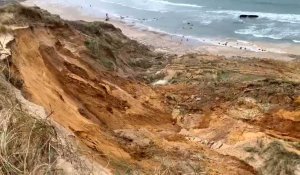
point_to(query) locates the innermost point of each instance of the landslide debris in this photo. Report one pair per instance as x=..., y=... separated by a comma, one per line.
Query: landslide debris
x=236, y=103
x=135, y=111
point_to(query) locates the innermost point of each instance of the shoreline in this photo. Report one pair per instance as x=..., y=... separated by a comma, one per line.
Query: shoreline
x=168, y=43
x=173, y=44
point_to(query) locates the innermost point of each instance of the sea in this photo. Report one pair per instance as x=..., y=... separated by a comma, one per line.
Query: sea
x=278, y=20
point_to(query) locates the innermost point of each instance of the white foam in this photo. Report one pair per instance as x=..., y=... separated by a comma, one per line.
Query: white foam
x=150, y=5
x=242, y=41
x=288, y=18
x=138, y=6
x=296, y=41
x=178, y=4
x=271, y=32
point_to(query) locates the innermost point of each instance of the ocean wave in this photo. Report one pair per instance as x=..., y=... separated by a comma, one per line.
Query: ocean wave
x=258, y=33
x=243, y=42
x=177, y=4
x=272, y=32
x=137, y=6
x=287, y=18
x=296, y=41
x=204, y=40
x=150, y=5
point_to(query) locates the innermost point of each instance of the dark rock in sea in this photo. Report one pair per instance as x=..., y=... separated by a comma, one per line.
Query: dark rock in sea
x=249, y=16
x=253, y=16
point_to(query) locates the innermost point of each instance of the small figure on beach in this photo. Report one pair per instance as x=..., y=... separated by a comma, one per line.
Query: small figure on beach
x=107, y=18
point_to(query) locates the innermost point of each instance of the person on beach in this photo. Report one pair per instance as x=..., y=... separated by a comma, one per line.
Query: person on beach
x=107, y=18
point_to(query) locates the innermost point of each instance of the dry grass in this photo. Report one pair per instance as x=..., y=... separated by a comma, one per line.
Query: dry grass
x=277, y=159
x=24, y=16
x=27, y=144
x=3, y=29
x=102, y=52
x=93, y=28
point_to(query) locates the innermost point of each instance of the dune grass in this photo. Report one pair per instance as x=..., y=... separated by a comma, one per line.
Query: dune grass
x=27, y=144
x=277, y=159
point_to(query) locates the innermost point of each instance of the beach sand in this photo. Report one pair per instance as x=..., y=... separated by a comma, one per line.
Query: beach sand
x=180, y=45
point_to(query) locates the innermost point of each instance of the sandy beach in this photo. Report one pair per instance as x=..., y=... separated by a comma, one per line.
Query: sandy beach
x=180, y=45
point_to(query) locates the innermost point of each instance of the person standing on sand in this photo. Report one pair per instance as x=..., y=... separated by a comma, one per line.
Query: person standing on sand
x=107, y=18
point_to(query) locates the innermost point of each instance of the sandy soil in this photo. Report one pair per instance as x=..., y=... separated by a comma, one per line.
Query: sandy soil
x=119, y=119
x=174, y=44
x=200, y=118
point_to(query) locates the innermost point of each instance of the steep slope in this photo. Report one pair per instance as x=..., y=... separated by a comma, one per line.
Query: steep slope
x=84, y=74
x=96, y=83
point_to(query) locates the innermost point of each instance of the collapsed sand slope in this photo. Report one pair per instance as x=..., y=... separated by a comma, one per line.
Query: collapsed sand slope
x=88, y=77
x=92, y=104
x=247, y=108
x=121, y=122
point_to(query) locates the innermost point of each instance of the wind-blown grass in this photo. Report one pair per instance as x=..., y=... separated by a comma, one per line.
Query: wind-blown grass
x=27, y=144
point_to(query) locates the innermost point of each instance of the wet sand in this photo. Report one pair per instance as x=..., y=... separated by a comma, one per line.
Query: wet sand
x=177, y=44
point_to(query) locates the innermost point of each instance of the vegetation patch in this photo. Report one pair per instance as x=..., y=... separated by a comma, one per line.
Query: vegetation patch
x=277, y=159
x=29, y=15
x=27, y=144
x=93, y=28
x=3, y=29
x=102, y=53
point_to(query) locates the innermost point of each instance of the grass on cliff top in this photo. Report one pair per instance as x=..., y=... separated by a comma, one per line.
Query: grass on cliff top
x=27, y=144
x=277, y=159
x=21, y=15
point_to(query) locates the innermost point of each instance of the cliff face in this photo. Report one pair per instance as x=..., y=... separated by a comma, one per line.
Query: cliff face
x=96, y=83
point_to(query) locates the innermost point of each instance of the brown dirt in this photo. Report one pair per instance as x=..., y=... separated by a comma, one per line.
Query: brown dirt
x=95, y=104
x=94, y=81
